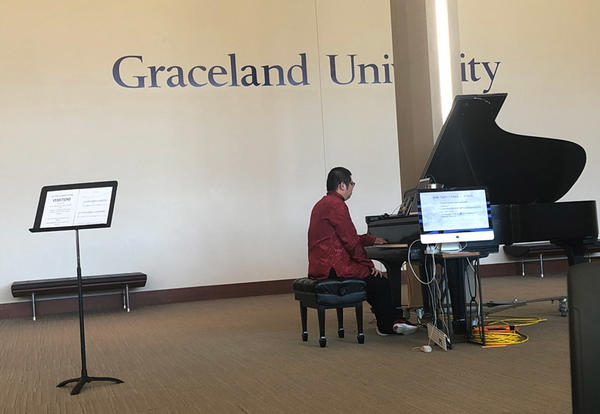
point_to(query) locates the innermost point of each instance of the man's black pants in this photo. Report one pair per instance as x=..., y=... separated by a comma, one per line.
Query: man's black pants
x=379, y=296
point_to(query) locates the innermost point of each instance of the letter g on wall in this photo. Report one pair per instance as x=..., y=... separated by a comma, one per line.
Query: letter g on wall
x=117, y=73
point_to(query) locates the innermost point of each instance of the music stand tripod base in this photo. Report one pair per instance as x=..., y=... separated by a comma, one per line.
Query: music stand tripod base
x=494, y=307
x=81, y=381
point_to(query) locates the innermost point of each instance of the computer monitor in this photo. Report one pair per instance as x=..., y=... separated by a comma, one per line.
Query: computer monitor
x=454, y=215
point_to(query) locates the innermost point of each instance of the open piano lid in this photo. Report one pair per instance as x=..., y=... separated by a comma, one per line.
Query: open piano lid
x=472, y=150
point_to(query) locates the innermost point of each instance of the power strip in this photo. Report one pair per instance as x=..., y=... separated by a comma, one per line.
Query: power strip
x=438, y=337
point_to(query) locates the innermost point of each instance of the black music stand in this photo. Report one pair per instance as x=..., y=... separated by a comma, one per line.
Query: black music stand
x=75, y=207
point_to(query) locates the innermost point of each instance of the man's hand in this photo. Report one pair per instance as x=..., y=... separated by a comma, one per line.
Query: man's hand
x=376, y=273
x=379, y=240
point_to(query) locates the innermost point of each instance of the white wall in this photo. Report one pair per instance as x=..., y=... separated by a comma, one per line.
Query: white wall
x=215, y=183
x=549, y=67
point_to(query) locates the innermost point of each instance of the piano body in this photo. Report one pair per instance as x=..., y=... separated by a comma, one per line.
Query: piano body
x=525, y=177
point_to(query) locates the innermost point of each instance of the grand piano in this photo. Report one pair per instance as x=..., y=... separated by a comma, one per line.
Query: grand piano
x=525, y=177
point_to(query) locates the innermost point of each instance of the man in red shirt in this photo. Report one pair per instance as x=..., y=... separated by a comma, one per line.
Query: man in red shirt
x=335, y=250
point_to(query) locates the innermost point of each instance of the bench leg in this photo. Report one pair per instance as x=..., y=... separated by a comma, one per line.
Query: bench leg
x=359, y=322
x=340, y=319
x=124, y=300
x=127, y=295
x=541, y=265
x=522, y=267
x=33, y=304
x=322, y=339
x=303, y=319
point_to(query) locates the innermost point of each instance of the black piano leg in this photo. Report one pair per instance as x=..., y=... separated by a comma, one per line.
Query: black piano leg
x=575, y=251
x=455, y=271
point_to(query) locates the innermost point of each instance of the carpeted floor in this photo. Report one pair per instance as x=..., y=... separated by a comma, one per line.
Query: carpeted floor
x=246, y=356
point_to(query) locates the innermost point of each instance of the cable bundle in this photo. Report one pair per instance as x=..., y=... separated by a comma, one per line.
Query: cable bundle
x=504, y=331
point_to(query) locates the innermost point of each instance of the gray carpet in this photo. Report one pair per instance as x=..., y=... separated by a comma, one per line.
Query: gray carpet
x=246, y=356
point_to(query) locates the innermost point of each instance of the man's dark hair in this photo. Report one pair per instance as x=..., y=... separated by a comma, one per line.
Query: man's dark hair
x=337, y=176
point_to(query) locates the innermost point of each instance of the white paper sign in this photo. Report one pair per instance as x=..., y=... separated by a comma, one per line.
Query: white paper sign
x=76, y=207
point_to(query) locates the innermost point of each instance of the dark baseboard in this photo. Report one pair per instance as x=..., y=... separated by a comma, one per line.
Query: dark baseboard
x=235, y=290
x=531, y=268
x=145, y=298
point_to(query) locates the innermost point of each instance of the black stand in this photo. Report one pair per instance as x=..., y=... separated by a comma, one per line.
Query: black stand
x=81, y=381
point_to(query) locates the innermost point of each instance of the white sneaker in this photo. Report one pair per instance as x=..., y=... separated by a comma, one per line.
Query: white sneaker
x=400, y=327
x=404, y=328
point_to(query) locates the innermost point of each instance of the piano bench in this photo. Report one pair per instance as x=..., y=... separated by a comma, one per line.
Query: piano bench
x=539, y=250
x=330, y=294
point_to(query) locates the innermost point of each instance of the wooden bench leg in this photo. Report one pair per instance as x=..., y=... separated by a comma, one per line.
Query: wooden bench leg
x=340, y=318
x=33, y=304
x=541, y=265
x=322, y=339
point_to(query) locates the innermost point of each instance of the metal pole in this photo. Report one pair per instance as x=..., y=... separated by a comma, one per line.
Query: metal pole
x=33, y=304
x=80, y=295
x=477, y=276
x=81, y=381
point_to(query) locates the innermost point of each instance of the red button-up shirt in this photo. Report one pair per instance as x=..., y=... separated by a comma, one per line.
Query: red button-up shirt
x=334, y=243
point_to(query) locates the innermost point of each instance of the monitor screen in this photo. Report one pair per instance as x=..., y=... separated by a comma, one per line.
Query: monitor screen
x=454, y=215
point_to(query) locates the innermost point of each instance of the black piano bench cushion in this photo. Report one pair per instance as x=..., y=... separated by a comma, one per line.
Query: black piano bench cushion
x=329, y=292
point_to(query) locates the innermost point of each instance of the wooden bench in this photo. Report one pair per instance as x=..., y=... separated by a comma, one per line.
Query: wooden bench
x=539, y=250
x=59, y=287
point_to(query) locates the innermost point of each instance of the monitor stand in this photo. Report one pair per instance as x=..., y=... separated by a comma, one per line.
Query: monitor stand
x=450, y=247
